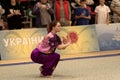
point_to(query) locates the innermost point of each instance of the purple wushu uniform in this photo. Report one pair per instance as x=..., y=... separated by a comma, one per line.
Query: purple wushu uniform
x=49, y=61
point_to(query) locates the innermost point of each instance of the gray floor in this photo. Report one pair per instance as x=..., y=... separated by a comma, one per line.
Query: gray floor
x=101, y=68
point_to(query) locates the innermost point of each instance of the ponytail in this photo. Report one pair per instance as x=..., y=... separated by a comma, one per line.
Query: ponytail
x=51, y=25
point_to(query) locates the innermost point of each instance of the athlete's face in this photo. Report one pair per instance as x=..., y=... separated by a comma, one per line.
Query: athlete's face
x=57, y=27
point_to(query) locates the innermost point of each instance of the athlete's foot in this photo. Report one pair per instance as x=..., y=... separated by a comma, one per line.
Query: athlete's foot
x=47, y=76
x=41, y=75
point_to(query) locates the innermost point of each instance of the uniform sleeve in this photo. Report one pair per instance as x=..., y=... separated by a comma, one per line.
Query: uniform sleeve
x=55, y=41
x=59, y=40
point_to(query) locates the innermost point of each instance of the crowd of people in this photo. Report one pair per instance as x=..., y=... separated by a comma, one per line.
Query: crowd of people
x=68, y=12
x=52, y=14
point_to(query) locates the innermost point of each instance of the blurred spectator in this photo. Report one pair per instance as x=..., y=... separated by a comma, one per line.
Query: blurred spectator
x=82, y=15
x=51, y=2
x=96, y=3
x=14, y=13
x=115, y=7
x=42, y=10
x=1, y=19
x=92, y=14
x=89, y=2
x=90, y=7
x=63, y=12
x=102, y=13
x=74, y=4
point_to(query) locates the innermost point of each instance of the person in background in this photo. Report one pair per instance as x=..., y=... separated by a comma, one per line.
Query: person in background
x=63, y=12
x=74, y=4
x=51, y=2
x=90, y=7
x=14, y=15
x=115, y=7
x=43, y=11
x=89, y=2
x=102, y=13
x=45, y=53
x=2, y=11
x=82, y=15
